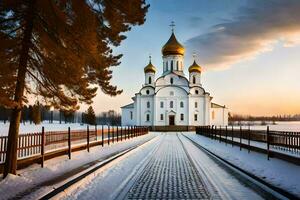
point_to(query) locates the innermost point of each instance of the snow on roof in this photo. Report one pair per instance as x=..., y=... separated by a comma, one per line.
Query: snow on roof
x=131, y=105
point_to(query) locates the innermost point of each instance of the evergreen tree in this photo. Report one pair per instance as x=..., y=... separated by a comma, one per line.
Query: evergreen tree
x=60, y=51
x=90, y=116
x=36, y=113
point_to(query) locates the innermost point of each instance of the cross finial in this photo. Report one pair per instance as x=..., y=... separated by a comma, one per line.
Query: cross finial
x=150, y=57
x=172, y=26
x=194, y=55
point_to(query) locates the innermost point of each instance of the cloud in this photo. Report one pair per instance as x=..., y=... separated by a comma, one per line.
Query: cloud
x=254, y=29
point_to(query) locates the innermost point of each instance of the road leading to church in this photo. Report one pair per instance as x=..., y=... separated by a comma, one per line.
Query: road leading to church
x=169, y=174
x=168, y=167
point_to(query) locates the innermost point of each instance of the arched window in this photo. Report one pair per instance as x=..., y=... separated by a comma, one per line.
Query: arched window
x=181, y=117
x=131, y=115
x=194, y=80
x=171, y=104
x=196, y=91
x=147, y=92
x=171, y=80
x=161, y=104
x=150, y=80
x=161, y=117
x=147, y=117
x=148, y=104
x=181, y=104
x=195, y=117
x=177, y=65
x=196, y=104
x=167, y=67
x=171, y=65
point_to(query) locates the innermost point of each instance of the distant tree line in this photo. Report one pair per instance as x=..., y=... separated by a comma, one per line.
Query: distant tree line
x=237, y=117
x=38, y=113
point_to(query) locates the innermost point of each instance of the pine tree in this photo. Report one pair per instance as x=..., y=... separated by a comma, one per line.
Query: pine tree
x=90, y=116
x=60, y=51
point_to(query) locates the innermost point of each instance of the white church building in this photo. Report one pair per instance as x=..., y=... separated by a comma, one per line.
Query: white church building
x=172, y=99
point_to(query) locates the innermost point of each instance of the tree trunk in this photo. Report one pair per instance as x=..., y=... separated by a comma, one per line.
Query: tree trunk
x=11, y=152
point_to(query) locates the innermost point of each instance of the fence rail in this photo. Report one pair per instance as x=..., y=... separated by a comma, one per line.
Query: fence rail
x=280, y=140
x=33, y=144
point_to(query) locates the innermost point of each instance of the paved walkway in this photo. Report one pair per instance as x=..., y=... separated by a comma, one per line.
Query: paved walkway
x=169, y=174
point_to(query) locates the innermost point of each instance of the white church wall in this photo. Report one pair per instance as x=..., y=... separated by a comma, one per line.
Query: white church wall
x=128, y=117
x=197, y=78
x=167, y=60
x=219, y=116
x=145, y=110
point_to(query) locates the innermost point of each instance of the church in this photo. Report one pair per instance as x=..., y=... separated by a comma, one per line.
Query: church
x=172, y=99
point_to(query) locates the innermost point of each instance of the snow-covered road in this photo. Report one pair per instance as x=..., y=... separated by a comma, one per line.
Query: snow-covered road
x=168, y=167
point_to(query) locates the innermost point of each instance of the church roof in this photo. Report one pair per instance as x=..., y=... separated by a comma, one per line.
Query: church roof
x=131, y=105
x=150, y=68
x=172, y=47
x=195, y=67
x=214, y=105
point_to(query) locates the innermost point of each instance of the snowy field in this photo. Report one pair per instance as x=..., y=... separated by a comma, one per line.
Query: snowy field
x=277, y=172
x=32, y=128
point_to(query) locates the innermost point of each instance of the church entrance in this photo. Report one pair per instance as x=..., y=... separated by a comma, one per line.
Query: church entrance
x=171, y=120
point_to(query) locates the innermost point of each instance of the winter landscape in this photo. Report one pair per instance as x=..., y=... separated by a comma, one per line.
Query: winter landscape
x=146, y=99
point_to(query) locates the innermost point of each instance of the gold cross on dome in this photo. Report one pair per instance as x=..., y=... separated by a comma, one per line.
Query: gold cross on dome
x=172, y=26
x=150, y=57
x=194, y=55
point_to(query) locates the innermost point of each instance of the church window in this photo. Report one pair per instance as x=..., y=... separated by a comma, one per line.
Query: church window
x=171, y=80
x=194, y=80
x=147, y=117
x=150, y=80
x=181, y=117
x=196, y=117
x=131, y=115
x=181, y=104
x=147, y=92
x=196, y=91
x=196, y=104
x=177, y=65
x=161, y=116
x=161, y=104
x=148, y=104
x=213, y=115
x=171, y=65
x=171, y=104
x=167, y=67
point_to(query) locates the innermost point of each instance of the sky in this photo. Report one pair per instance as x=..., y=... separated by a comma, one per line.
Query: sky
x=249, y=51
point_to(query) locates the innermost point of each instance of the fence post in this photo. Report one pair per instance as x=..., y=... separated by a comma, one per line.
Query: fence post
x=240, y=138
x=96, y=131
x=108, y=134
x=117, y=133
x=220, y=134
x=249, y=139
x=226, y=135
x=232, y=135
x=113, y=134
x=69, y=142
x=43, y=147
x=268, y=143
x=102, y=136
x=121, y=133
x=88, y=138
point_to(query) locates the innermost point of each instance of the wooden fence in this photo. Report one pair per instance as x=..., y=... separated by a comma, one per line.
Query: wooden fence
x=280, y=140
x=40, y=143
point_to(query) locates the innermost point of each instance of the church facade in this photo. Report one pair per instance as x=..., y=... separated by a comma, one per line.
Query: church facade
x=172, y=98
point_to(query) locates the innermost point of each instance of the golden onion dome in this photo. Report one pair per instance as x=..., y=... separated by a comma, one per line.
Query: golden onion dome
x=172, y=47
x=150, y=68
x=195, y=68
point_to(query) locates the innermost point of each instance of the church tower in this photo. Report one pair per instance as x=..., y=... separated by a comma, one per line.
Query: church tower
x=195, y=74
x=173, y=53
x=150, y=71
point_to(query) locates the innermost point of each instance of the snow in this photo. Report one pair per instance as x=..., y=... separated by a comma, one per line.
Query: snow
x=55, y=126
x=279, y=126
x=275, y=171
x=36, y=180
